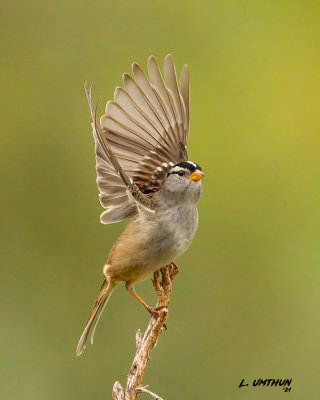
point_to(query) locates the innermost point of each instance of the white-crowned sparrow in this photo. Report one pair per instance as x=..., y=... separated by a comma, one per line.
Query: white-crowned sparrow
x=143, y=174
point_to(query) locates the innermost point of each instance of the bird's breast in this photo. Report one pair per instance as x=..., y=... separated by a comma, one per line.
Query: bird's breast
x=172, y=231
x=149, y=243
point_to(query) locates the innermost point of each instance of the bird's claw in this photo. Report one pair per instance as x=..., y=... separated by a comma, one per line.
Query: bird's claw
x=154, y=312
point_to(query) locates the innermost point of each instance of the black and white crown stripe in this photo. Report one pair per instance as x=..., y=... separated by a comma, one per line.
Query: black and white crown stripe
x=191, y=166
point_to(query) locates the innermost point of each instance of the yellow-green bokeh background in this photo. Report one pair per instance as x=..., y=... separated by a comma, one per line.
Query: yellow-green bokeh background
x=246, y=302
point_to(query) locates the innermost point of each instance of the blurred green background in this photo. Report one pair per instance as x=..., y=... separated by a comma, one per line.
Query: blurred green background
x=246, y=301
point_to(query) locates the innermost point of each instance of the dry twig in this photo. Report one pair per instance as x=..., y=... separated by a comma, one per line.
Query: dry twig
x=146, y=342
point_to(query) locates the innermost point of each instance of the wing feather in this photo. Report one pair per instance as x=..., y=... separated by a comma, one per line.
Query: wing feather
x=117, y=215
x=141, y=136
x=173, y=92
x=185, y=94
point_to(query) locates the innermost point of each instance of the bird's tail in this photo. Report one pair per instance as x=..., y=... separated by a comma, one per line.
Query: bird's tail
x=95, y=314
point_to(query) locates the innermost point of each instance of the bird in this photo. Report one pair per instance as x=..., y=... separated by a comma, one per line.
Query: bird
x=143, y=174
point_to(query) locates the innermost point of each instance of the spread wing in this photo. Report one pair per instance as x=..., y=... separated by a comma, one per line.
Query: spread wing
x=143, y=133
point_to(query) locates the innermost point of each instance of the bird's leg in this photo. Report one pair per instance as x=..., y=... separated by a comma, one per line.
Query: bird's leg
x=153, y=312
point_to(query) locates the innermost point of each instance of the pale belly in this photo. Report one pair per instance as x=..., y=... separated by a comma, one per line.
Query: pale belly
x=157, y=244
x=146, y=246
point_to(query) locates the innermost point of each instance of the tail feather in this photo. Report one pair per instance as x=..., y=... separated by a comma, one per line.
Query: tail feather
x=98, y=316
x=95, y=314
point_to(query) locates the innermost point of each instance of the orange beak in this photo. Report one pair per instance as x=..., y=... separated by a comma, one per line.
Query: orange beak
x=196, y=175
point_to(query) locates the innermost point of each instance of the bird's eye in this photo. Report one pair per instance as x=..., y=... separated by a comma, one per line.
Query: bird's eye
x=181, y=173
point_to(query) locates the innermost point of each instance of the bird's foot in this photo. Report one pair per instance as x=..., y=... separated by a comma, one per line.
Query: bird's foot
x=173, y=270
x=153, y=312
x=157, y=309
x=174, y=265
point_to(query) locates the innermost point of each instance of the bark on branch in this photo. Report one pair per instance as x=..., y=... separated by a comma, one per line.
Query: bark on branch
x=146, y=342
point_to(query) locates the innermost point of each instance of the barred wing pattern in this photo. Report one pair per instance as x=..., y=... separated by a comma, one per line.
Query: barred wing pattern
x=145, y=129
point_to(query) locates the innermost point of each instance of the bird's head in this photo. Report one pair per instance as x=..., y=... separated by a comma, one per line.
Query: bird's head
x=184, y=181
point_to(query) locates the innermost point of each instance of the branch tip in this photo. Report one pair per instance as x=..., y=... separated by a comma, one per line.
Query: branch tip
x=144, y=390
